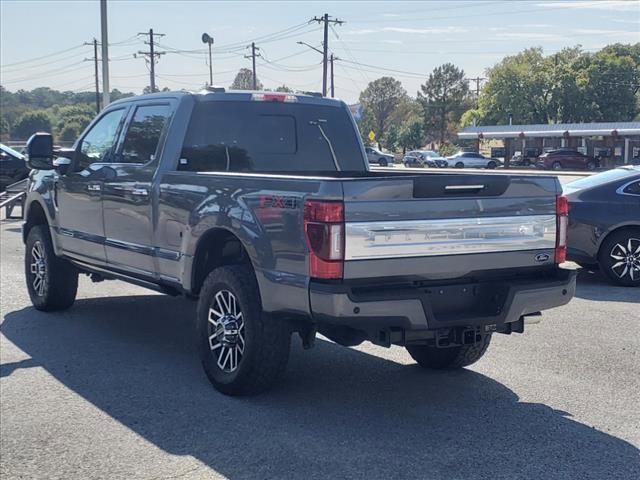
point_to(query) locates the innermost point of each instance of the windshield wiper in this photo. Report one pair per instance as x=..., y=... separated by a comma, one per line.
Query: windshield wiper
x=326, y=139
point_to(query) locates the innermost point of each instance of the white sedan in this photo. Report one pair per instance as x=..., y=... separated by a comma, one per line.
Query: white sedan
x=472, y=160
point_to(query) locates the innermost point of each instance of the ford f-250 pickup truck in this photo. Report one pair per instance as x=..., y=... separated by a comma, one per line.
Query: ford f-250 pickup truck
x=262, y=206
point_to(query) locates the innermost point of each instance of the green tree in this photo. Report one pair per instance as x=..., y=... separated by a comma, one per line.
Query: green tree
x=30, y=123
x=412, y=134
x=444, y=97
x=473, y=116
x=244, y=81
x=380, y=100
x=517, y=86
x=392, y=138
x=70, y=132
x=4, y=128
x=284, y=89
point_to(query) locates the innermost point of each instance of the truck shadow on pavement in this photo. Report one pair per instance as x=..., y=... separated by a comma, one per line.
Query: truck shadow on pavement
x=339, y=413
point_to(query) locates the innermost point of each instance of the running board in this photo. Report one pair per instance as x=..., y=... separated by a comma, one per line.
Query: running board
x=115, y=275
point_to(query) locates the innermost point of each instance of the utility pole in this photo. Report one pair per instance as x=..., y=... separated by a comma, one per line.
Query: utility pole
x=105, y=53
x=151, y=54
x=477, y=80
x=332, y=86
x=253, y=60
x=95, y=66
x=325, y=46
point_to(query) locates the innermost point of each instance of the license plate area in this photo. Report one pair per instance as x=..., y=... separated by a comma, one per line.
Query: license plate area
x=474, y=300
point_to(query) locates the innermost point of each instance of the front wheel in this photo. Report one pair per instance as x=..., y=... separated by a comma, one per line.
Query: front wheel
x=243, y=350
x=591, y=166
x=452, y=357
x=382, y=162
x=459, y=165
x=619, y=257
x=52, y=282
x=556, y=166
x=492, y=165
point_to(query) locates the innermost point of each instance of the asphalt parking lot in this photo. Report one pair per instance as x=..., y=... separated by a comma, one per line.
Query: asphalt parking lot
x=113, y=389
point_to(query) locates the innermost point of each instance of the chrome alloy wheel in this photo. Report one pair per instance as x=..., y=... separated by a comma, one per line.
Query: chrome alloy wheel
x=38, y=268
x=627, y=259
x=226, y=331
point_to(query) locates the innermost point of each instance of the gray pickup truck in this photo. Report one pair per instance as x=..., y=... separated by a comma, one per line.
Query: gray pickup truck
x=262, y=207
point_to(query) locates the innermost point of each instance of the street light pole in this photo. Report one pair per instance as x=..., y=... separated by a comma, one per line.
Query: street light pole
x=105, y=53
x=208, y=39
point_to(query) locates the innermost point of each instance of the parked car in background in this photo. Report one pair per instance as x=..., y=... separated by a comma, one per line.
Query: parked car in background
x=12, y=166
x=472, y=160
x=604, y=223
x=377, y=157
x=424, y=158
x=565, y=158
x=412, y=161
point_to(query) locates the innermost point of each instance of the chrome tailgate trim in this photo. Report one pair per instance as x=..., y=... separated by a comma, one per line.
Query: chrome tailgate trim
x=389, y=239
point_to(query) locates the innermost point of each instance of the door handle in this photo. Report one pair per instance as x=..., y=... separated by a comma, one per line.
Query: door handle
x=94, y=187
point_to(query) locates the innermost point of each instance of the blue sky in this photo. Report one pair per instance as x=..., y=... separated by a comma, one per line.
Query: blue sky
x=410, y=38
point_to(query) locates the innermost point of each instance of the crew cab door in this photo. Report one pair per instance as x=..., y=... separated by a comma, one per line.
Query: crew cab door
x=78, y=193
x=128, y=194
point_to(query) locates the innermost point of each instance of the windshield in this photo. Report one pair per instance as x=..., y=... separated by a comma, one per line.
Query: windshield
x=601, y=178
x=241, y=136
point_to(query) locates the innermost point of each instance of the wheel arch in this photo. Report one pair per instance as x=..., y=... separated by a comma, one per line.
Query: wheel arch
x=613, y=231
x=35, y=214
x=216, y=247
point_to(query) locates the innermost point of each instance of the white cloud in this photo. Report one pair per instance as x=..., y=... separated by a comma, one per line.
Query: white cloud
x=425, y=30
x=362, y=31
x=393, y=42
x=530, y=35
x=598, y=4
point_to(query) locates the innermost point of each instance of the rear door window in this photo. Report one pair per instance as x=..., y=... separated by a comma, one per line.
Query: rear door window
x=143, y=135
x=245, y=136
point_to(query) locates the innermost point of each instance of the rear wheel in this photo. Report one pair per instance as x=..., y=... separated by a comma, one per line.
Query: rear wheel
x=52, y=282
x=591, y=165
x=243, y=350
x=459, y=165
x=452, y=357
x=492, y=165
x=556, y=166
x=382, y=162
x=619, y=257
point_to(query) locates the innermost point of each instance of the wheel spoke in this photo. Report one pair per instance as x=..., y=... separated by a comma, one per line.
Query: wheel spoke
x=616, y=265
x=622, y=249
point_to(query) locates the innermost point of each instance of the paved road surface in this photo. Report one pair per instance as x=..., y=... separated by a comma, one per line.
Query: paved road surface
x=113, y=389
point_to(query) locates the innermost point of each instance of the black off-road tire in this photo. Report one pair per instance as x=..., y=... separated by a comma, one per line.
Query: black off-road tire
x=606, y=261
x=266, y=338
x=453, y=357
x=60, y=278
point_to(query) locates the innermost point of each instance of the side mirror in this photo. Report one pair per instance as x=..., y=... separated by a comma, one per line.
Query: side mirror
x=40, y=151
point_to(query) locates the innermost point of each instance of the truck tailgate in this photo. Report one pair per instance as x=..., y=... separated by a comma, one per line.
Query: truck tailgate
x=448, y=225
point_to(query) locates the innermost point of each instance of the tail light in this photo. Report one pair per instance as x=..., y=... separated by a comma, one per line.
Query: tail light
x=562, y=221
x=324, y=230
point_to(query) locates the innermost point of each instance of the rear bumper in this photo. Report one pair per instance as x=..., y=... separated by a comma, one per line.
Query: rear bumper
x=416, y=308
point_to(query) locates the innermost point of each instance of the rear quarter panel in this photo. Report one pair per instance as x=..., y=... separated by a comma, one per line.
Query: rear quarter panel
x=265, y=212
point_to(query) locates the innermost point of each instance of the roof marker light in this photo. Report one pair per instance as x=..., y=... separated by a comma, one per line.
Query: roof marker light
x=274, y=97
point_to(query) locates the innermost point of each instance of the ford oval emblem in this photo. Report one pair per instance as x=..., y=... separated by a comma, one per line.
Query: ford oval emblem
x=542, y=257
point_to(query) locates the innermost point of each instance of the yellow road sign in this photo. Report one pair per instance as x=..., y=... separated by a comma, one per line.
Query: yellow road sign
x=372, y=135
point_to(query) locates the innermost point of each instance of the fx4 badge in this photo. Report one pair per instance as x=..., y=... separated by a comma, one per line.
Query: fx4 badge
x=541, y=257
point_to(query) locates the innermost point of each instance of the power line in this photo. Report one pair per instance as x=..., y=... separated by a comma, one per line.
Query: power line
x=43, y=56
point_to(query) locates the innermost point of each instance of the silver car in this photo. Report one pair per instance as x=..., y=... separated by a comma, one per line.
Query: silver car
x=472, y=160
x=377, y=157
